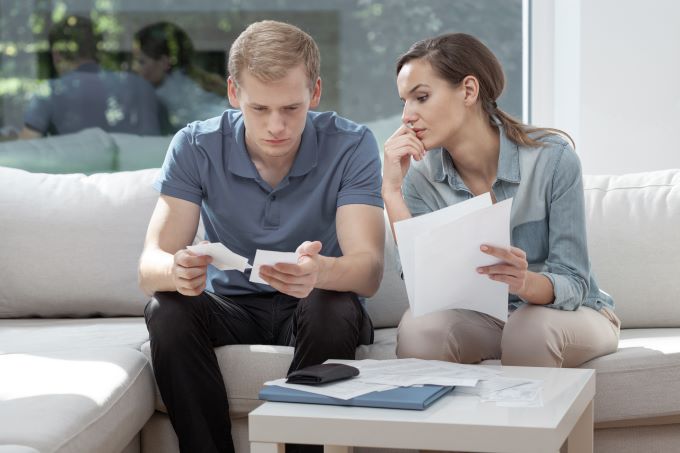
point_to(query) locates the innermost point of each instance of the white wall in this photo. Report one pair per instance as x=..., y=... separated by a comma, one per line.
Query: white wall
x=608, y=72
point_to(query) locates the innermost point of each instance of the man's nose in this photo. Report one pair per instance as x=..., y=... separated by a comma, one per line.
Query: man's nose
x=276, y=124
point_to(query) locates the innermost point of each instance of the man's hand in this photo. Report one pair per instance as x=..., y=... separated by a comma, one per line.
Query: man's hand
x=189, y=272
x=297, y=280
x=513, y=269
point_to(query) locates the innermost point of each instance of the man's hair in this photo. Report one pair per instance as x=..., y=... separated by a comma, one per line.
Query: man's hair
x=74, y=38
x=269, y=49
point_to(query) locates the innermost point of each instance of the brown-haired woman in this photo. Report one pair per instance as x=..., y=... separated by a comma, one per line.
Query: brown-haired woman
x=464, y=145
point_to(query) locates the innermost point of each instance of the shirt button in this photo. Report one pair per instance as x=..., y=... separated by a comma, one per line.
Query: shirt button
x=273, y=197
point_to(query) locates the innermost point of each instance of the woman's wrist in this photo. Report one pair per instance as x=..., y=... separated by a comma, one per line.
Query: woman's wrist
x=538, y=289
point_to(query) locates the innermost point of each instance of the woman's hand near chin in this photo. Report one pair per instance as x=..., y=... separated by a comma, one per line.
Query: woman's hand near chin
x=398, y=150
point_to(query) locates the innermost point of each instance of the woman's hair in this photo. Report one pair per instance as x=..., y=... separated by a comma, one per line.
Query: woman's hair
x=165, y=38
x=455, y=56
x=269, y=49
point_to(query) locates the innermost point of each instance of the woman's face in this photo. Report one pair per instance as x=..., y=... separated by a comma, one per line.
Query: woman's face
x=152, y=70
x=433, y=107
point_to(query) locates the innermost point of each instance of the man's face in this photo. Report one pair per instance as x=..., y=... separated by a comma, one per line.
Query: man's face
x=275, y=112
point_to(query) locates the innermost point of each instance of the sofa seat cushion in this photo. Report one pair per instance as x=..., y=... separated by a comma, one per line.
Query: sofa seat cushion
x=74, y=401
x=45, y=335
x=640, y=380
x=246, y=367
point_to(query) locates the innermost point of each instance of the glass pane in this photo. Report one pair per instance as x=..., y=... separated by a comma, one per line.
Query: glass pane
x=359, y=42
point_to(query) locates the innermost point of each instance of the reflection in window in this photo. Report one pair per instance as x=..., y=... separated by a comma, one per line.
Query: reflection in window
x=178, y=52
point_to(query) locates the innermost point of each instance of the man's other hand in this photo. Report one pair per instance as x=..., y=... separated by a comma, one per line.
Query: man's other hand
x=297, y=280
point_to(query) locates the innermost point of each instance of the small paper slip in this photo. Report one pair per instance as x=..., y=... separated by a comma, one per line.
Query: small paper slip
x=270, y=258
x=440, y=254
x=223, y=258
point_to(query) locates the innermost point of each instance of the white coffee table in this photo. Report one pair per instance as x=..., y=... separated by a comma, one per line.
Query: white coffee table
x=455, y=422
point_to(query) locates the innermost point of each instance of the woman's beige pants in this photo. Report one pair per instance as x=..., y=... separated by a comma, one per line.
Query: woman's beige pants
x=532, y=336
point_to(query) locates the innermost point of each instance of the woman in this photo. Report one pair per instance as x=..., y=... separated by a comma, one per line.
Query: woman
x=464, y=145
x=163, y=54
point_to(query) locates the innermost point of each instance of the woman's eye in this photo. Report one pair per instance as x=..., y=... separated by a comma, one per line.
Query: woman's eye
x=422, y=98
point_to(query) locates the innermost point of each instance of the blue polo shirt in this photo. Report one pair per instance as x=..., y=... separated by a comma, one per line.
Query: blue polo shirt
x=207, y=163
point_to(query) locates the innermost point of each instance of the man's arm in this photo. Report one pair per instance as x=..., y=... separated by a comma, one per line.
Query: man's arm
x=361, y=235
x=165, y=264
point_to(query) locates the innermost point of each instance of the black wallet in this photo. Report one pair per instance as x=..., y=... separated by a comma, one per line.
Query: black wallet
x=322, y=374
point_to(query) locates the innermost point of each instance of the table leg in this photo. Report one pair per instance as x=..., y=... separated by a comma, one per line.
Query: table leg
x=336, y=449
x=580, y=439
x=265, y=447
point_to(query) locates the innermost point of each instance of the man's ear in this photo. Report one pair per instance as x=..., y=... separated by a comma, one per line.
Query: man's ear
x=232, y=93
x=471, y=86
x=316, y=94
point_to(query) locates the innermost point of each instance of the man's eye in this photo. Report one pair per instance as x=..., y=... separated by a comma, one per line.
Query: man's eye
x=293, y=108
x=259, y=109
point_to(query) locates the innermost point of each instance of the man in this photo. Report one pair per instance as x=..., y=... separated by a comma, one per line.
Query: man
x=272, y=176
x=84, y=95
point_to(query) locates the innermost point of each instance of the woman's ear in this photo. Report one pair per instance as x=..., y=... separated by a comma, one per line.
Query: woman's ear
x=471, y=86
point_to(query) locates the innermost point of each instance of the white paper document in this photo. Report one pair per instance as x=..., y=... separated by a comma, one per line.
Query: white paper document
x=270, y=258
x=344, y=390
x=409, y=372
x=507, y=392
x=440, y=255
x=223, y=258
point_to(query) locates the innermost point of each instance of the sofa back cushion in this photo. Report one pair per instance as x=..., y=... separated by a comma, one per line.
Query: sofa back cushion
x=71, y=242
x=634, y=242
x=391, y=301
x=88, y=151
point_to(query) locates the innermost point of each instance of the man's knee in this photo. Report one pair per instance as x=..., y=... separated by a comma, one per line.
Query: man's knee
x=170, y=313
x=329, y=308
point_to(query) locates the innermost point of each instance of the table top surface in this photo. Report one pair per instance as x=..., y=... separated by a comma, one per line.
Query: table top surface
x=561, y=388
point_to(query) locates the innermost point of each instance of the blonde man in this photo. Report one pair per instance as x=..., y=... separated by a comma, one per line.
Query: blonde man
x=272, y=176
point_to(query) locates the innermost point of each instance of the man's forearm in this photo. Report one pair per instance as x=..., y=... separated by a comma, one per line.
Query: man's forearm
x=155, y=272
x=360, y=273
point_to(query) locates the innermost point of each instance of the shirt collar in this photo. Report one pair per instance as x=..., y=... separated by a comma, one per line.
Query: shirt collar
x=508, y=163
x=306, y=159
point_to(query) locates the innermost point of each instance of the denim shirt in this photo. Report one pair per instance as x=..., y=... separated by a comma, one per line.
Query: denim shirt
x=547, y=220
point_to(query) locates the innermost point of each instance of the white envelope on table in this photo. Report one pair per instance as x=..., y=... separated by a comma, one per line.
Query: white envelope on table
x=270, y=258
x=223, y=258
x=440, y=254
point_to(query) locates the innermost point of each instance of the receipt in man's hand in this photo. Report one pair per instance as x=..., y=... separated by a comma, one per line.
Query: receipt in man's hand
x=223, y=258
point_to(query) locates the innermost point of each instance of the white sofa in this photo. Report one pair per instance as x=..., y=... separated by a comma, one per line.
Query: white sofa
x=74, y=369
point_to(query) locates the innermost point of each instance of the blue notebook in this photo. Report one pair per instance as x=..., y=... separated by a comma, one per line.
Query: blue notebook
x=415, y=398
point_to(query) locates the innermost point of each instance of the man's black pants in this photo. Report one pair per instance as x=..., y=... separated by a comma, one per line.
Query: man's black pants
x=184, y=330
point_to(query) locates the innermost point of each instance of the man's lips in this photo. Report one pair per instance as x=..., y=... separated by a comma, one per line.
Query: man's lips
x=276, y=142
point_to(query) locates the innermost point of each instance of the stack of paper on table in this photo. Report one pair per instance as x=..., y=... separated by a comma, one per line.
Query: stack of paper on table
x=440, y=253
x=408, y=384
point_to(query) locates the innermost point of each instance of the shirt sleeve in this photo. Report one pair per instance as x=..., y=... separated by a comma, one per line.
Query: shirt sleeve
x=412, y=197
x=362, y=179
x=568, y=265
x=179, y=176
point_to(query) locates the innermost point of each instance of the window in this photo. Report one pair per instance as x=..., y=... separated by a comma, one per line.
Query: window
x=359, y=42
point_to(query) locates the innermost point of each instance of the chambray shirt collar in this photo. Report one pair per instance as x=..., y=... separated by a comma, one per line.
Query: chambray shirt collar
x=508, y=164
x=306, y=159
